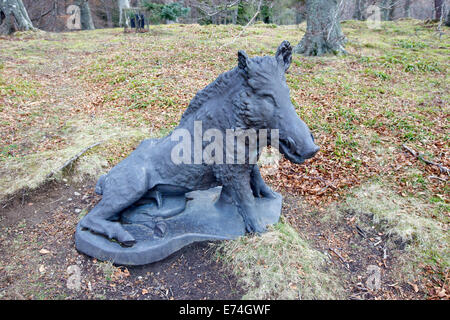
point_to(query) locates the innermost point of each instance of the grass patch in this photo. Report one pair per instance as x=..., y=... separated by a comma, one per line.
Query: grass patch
x=383, y=87
x=280, y=264
x=421, y=227
x=391, y=89
x=30, y=171
x=107, y=268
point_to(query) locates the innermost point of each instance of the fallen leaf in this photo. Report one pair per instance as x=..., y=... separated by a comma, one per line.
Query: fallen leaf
x=414, y=286
x=441, y=293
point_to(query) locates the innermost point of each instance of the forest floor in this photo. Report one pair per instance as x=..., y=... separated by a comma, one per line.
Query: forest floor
x=364, y=219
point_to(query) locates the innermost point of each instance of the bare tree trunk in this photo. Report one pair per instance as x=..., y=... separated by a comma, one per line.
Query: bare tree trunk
x=438, y=8
x=387, y=9
x=360, y=7
x=109, y=20
x=55, y=14
x=323, y=30
x=408, y=8
x=86, y=17
x=14, y=17
x=235, y=13
x=108, y=13
x=447, y=21
x=123, y=4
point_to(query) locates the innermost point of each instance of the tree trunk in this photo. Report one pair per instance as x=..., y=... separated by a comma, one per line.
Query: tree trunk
x=360, y=7
x=447, y=22
x=14, y=17
x=108, y=13
x=235, y=13
x=438, y=8
x=55, y=14
x=109, y=20
x=323, y=30
x=86, y=17
x=387, y=9
x=408, y=8
x=123, y=4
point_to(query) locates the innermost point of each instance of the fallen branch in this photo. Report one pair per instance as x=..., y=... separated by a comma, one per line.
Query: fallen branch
x=438, y=178
x=420, y=157
x=6, y=202
x=340, y=258
x=414, y=153
x=211, y=14
x=318, y=178
x=326, y=182
x=249, y=23
x=360, y=231
x=73, y=159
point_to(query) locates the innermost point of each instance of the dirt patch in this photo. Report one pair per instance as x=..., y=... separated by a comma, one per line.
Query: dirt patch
x=368, y=266
x=37, y=248
x=34, y=206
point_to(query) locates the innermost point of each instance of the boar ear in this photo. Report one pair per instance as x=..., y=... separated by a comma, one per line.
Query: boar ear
x=284, y=55
x=242, y=59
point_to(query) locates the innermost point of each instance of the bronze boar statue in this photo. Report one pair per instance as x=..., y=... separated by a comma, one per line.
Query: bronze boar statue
x=253, y=95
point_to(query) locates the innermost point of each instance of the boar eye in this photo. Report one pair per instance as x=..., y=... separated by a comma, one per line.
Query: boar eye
x=269, y=98
x=312, y=137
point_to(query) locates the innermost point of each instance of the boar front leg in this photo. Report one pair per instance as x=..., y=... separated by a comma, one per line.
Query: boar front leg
x=259, y=187
x=236, y=187
x=245, y=201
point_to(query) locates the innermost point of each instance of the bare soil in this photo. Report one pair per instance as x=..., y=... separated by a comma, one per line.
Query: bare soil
x=37, y=248
x=356, y=250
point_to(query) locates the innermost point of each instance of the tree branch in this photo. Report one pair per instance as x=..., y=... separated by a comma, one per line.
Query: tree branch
x=249, y=23
x=420, y=157
x=74, y=158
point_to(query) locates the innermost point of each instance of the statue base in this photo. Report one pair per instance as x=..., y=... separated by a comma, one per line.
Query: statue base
x=180, y=221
